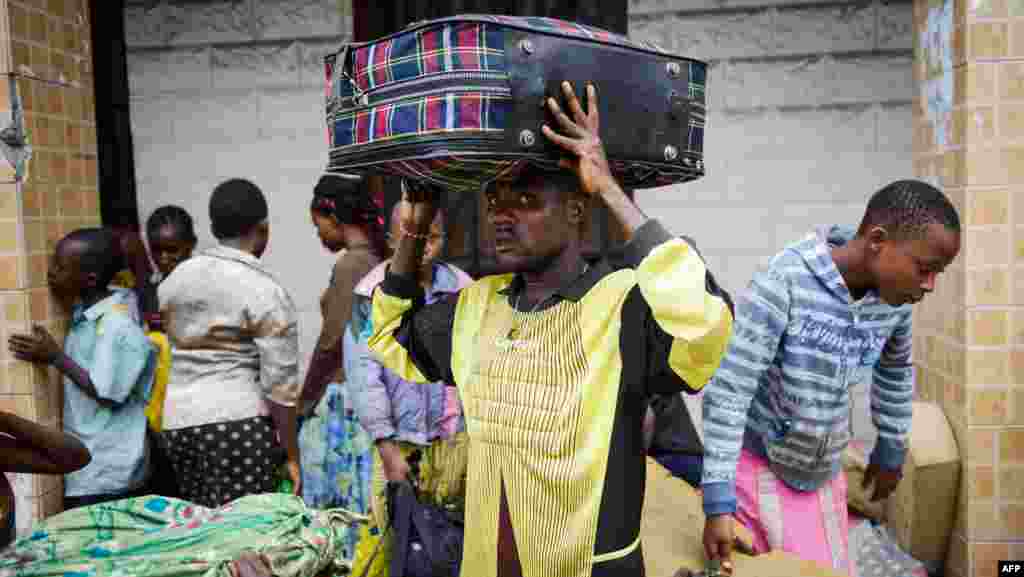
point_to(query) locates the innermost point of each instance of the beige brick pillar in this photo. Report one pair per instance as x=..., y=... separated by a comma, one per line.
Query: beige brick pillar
x=45, y=50
x=969, y=137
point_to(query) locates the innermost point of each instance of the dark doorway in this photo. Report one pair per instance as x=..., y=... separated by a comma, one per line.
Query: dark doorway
x=373, y=19
x=118, y=202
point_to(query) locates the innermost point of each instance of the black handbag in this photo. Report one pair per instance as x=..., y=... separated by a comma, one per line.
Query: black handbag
x=426, y=539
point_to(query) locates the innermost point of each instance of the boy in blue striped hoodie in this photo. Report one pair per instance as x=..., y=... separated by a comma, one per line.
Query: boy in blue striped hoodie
x=825, y=311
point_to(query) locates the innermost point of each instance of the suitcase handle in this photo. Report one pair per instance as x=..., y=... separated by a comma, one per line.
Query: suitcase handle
x=342, y=71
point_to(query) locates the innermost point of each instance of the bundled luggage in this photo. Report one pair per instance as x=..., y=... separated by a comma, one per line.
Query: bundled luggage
x=459, y=101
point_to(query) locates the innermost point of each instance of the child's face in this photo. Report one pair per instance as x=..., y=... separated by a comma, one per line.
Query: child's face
x=434, y=246
x=906, y=270
x=65, y=278
x=435, y=242
x=169, y=249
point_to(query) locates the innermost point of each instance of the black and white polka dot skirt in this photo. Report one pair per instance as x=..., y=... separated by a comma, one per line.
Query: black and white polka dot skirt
x=220, y=462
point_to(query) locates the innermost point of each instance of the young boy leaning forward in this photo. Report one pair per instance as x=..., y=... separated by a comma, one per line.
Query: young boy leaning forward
x=776, y=413
x=107, y=363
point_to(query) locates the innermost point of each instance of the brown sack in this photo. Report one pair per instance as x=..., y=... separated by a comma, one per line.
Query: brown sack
x=922, y=510
x=672, y=534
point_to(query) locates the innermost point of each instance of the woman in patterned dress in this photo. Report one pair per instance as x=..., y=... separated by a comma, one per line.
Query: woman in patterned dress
x=337, y=457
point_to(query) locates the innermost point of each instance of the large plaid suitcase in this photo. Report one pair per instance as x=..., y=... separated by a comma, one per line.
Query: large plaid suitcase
x=458, y=101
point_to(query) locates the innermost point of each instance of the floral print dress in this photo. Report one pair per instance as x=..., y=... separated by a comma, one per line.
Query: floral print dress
x=337, y=457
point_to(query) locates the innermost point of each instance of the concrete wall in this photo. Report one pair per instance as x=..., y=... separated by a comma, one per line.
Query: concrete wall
x=45, y=49
x=231, y=88
x=809, y=113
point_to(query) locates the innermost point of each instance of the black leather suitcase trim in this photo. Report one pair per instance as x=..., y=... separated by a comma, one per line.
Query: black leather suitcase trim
x=635, y=83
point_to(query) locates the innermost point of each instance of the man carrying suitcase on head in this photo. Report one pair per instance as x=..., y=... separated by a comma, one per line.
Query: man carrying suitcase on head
x=554, y=363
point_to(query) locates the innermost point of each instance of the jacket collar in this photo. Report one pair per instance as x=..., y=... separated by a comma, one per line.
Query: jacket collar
x=229, y=253
x=448, y=279
x=816, y=251
x=573, y=290
x=118, y=299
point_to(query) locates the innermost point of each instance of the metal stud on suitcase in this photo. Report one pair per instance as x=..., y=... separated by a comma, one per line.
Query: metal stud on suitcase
x=458, y=101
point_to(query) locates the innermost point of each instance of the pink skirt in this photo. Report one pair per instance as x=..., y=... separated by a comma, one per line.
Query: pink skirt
x=810, y=525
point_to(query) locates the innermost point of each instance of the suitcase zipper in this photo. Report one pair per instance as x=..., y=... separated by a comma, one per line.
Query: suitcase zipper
x=484, y=141
x=443, y=80
x=489, y=91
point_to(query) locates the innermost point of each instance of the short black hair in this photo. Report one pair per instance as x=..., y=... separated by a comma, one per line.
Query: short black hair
x=906, y=207
x=236, y=207
x=174, y=216
x=98, y=252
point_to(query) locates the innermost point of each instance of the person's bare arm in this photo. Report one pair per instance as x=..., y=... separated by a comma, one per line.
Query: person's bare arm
x=27, y=447
x=40, y=348
x=337, y=300
x=251, y=564
x=587, y=159
x=285, y=421
x=416, y=211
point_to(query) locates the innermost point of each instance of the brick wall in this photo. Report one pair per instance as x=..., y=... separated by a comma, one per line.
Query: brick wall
x=969, y=137
x=44, y=48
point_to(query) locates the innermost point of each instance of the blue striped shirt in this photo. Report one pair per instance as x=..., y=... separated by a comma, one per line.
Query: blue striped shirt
x=782, y=391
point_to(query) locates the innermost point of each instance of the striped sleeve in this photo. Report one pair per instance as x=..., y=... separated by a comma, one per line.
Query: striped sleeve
x=691, y=320
x=761, y=318
x=892, y=394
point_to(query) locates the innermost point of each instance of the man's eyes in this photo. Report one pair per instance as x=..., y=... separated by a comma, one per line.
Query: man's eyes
x=524, y=200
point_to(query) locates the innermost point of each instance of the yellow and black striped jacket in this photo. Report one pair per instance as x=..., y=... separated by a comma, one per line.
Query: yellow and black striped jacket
x=554, y=399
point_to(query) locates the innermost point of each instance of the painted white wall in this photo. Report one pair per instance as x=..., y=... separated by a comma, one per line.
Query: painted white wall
x=235, y=89
x=809, y=113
